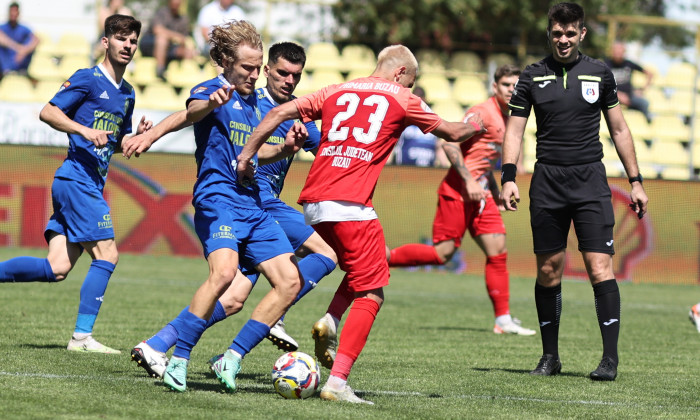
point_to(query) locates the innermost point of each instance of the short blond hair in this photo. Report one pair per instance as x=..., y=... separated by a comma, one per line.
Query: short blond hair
x=226, y=39
x=395, y=56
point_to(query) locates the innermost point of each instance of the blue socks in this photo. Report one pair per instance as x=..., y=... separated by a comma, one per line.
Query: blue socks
x=313, y=268
x=92, y=293
x=167, y=337
x=26, y=269
x=190, y=329
x=252, y=333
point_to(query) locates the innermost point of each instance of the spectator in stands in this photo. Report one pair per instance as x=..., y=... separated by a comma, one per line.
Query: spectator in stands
x=111, y=7
x=214, y=13
x=17, y=43
x=166, y=36
x=622, y=69
x=418, y=148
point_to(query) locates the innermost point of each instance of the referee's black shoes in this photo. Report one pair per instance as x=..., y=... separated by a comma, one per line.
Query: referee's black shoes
x=549, y=365
x=606, y=371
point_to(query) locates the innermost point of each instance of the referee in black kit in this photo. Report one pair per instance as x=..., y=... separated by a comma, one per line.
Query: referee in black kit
x=568, y=90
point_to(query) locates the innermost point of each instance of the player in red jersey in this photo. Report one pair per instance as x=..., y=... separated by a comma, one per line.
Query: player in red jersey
x=361, y=122
x=468, y=199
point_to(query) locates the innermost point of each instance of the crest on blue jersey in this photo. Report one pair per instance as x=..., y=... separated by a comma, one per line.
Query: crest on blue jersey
x=590, y=91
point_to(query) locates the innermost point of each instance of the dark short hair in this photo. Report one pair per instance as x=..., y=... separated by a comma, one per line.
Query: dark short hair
x=566, y=13
x=290, y=51
x=121, y=24
x=506, y=70
x=13, y=4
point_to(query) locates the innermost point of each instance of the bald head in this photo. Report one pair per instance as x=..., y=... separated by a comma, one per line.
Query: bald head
x=617, y=52
x=397, y=64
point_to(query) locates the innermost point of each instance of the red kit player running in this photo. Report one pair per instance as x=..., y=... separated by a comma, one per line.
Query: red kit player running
x=467, y=200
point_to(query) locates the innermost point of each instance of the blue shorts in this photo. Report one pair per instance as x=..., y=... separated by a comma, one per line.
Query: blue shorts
x=253, y=233
x=291, y=220
x=80, y=212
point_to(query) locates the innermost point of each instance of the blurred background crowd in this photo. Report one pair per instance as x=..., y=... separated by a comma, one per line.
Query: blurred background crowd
x=652, y=48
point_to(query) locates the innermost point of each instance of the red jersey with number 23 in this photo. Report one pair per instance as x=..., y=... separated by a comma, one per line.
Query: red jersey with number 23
x=361, y=121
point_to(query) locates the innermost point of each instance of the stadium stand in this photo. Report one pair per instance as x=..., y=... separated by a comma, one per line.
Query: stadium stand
x=144, y=71
x=184, y=73
x=323, y=55
x=669, y=128
x=676, y=173
x=72, y=43
x=680, y=75
x=159, y=95
x=16, y=88
x=322, y=78
x=430, y=62
x=69, y=64
x=45, y=90
x=449, y=110
x=659, y=103
x=464, y=62
x=637, y=123
x=669, y=154
x=44, y=67
x=357, y=57
x=437, y=87
x=470, y=89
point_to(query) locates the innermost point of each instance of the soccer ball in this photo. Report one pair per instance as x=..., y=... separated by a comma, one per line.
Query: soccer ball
x=296, y=375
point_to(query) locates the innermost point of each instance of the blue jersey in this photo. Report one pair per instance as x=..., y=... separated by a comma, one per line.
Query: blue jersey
x=220, y=137
x=270, y=177
x=415, y=147
x=92, y=98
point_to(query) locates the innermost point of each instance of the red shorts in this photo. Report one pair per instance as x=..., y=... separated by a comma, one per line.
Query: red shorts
x=361, y=251
x=454, y=217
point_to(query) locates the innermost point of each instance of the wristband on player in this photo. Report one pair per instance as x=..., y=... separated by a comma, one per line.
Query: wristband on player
x=508, y=171
x=476, y=126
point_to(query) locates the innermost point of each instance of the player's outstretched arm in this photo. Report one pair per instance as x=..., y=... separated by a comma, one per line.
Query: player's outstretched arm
x=144, y=126
x=294, y=141
x=58, y=120
x=262, y=132
x=141, y=142
x=198, y=108
x=621, y=136
x=459, y=131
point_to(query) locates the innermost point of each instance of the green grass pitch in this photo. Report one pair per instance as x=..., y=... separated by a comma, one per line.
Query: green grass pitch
x=431, y=354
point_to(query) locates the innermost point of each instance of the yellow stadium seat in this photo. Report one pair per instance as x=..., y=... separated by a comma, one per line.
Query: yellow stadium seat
x=496, y=60
x=357, y=57
x=44, y=67
x=323, y=55
x=643, y=153
x=16, y=88
x=305, y=86
x=470, y=90
x=69, y=64
x=144, y=71
x=323, y=78
x=658, y=101
x=681, y=101
x=669, y=153
x=449, y=110
x=45, y=90
x=184, y=73
x=437, y=87
x=46, y=45
x=669, y=128
x=680, y=75
x=430, y=62
x=637, y=123
x=675, y=173
x=463, y=62
x=695, y=151
x=159, y=95
x=72, y=43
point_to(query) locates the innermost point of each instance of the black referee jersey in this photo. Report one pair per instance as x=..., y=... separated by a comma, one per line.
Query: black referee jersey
x=568, y=100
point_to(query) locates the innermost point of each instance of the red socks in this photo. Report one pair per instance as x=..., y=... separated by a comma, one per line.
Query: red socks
x=496, y=274
x=353, y=336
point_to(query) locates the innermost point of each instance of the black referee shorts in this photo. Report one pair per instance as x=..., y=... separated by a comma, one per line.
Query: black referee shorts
x=578, y=193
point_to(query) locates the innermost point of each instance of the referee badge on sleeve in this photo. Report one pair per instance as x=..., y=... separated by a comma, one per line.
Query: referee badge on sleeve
x=590, y=91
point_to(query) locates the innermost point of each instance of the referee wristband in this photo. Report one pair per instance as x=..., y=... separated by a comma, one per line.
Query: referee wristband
x=508, y=171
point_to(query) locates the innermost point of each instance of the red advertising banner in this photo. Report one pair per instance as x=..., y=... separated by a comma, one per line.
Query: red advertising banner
x=152, y=213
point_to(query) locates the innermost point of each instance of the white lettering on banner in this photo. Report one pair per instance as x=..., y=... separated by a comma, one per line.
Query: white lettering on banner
x=341, y=162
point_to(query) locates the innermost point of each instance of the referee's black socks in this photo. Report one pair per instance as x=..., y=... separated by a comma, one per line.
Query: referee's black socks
x=607, y=308
x=548, y=302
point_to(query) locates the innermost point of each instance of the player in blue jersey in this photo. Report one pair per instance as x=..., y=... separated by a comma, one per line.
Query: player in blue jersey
x=283, y=71
x=229, y=219
x=94, y=107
